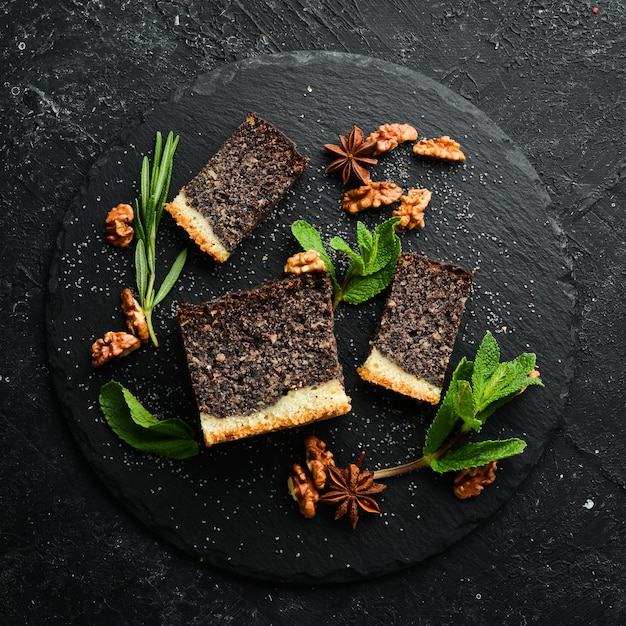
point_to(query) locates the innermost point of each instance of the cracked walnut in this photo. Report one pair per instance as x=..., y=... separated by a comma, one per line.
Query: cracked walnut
x=117, y=225
x=113, y=345
x=371, y=195
x=411, y=209
x=440, y=148
x=388, y=136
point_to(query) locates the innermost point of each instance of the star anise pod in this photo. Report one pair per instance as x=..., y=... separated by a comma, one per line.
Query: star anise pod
x=351, y=489
x=352, y=157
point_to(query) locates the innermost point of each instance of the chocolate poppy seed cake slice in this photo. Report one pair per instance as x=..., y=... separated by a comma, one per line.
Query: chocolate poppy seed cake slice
x=264, y=358
x=238, y=187
x=412, y=346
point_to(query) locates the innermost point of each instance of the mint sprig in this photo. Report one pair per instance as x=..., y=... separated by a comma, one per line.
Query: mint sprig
x=477, y=454
x=135, y=425
x=476, y=390
x=371, y=268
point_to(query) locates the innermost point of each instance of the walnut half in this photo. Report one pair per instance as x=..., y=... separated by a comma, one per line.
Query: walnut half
x=318, y=459
x=470, y=482
x=112, y=345
x=303, y=491
x=388, y=136
x=303, y=262
x=135, y=317
x=440, y=148
x=411, y=209
x=372, y=195
x=117, y=225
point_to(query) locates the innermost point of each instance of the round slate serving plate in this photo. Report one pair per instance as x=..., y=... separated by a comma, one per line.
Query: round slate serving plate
x=229, y=505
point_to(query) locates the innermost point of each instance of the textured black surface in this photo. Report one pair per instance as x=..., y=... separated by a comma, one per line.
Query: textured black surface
x=75, y=75
x=229, y=506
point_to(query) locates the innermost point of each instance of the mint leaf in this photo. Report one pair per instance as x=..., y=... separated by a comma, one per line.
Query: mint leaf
x=139, y=415
x=356, y=267
x=178, y=449
x=494, y=386
x=504, y=392
x=464, y=405
x=362, y=288
x=136, y=426
x=310, y=239
x=173, y=427
x=506, y=395
x=496, y=383
x=365, y=240
x=386, y=247
x=447, y=419
x=477, y=454
x=370, y=270
x=487, y=360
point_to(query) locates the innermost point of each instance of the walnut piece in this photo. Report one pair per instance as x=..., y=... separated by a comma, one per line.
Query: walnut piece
x=112, y=345
x=439, y=148
x=388, y=136
x=411, y=209
x=303, y=491
x=470, y=482
x=372, y=195
x=318, y=458
x=117, y=225
x=135, y=317
x=304, y=262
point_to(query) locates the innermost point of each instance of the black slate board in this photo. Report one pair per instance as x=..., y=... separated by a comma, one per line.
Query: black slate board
x=229, y=506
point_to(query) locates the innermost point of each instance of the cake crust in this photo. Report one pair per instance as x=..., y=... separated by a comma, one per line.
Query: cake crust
x=238, y=187
x=416, y=335
x=297, y=408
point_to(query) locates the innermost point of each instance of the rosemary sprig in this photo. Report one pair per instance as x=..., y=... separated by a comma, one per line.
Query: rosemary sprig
x=154, y=187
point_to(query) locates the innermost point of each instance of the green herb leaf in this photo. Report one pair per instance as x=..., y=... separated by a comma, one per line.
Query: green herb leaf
x=172, y=276
x=141, y=268
x=465, y=407
x=145, y=191
x=503, y=383
x=447, y=420
x=136, y=426
x=164, y=176
x=477, y=389
x=385, y=248
x=365, y=240
x=487, y=360
x=362, y=288
x=138, y=223
x=458, y=412
x=310, y=239
x=477, y=454
x=370, y=270
x=337, y=243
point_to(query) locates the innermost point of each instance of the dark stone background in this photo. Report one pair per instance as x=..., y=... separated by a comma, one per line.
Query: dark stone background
x=76, y=73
